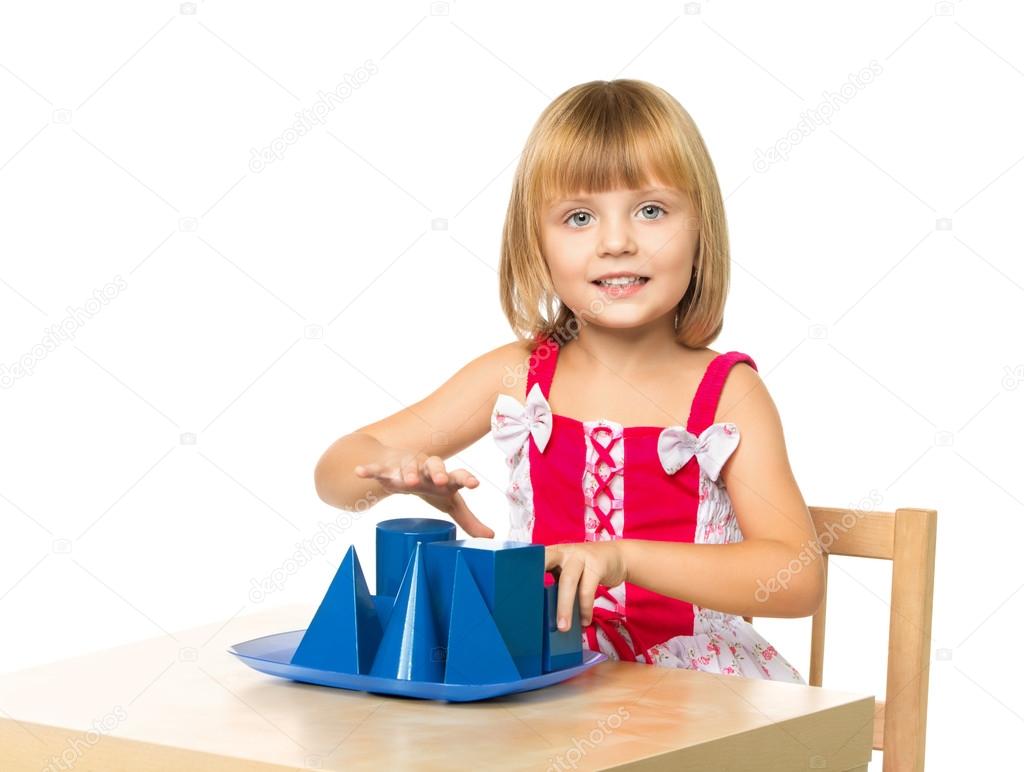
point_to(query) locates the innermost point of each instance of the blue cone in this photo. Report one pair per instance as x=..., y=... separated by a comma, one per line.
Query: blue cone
x=345, y=630
x=409, y=649
x=476, y=651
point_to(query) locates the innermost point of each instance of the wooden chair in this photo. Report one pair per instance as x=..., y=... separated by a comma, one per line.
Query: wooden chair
x=907, y=538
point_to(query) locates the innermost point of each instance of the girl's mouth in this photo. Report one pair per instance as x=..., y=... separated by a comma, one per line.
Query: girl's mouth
x=621, y=287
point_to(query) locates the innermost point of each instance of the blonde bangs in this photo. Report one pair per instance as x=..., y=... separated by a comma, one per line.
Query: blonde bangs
x=602, y=136
x=590, y=150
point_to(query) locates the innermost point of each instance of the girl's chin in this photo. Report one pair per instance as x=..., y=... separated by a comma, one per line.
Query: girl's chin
x=621, y=319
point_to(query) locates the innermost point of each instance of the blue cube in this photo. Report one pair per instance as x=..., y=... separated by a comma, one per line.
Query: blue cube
x=510, y=577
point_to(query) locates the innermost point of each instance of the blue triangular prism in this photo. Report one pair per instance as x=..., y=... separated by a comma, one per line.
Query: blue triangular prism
x=409, y=649
x=476, y=651
x=345, y=630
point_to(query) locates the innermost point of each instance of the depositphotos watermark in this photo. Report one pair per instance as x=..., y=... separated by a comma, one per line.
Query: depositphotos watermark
x=572, y=757
x=822, y=113
x=315, y=115
x=77, y=746
x=815, y=547
x=307, y=549
x=561, y=335
x=63, y=331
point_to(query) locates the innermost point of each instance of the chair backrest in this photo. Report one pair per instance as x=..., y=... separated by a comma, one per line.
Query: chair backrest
x=907, y=538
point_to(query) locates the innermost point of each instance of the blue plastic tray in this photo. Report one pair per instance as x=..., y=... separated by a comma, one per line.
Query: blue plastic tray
x=272, y=654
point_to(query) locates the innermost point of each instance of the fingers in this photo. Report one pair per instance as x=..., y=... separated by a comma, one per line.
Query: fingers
x=462, y=515
x=380, y=472
x=588, y=589
x=411, y=469
x=377, y=472
x=434, y=468
x=417, y=469
x=462, y=478
x=367, y=470
x=554, y=556
x=568, y=580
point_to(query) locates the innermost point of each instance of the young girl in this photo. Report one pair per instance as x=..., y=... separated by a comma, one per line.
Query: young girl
x=620, y=427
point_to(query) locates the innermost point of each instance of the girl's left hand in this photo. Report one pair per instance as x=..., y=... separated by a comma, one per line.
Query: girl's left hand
x=579, y=568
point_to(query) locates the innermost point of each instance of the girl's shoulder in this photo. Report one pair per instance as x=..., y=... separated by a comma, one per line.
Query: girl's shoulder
x=743, y=394
x=506, y=367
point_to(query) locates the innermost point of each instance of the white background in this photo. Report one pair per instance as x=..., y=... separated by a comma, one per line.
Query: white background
x=877, y=283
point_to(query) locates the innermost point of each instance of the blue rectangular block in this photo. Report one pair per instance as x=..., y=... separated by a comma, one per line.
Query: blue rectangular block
x=510, y=577
x=561, y=649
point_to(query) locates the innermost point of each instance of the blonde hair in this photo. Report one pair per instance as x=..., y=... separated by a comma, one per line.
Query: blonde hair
x=595, y=137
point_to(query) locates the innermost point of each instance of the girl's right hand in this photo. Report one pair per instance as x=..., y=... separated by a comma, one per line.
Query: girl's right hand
x=426, y=477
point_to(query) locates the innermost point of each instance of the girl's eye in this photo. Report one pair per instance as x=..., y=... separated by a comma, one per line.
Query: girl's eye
x=579, y=213
x=572, y=217
x=651, y=206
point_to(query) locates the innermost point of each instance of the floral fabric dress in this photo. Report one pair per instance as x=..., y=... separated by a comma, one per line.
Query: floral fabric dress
x=575, y=481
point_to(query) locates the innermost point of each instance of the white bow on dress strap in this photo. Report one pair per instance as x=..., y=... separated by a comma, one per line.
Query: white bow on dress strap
x=713, y=447
x=512, y=422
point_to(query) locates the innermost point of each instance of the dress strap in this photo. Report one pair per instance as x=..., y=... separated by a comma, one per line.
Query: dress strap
x=705, y=401
x=542, y=363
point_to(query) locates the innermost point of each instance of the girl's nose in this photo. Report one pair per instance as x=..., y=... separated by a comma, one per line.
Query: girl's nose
x=616, y=238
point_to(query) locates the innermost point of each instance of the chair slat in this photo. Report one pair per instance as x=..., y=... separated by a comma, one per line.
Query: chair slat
x=878, y=732
x=854, y=532
x=818, y=634
x=910, y=629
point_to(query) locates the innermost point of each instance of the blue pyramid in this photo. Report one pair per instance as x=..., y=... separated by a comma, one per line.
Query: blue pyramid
x=510, y=578
x=409, y=649
x=345, y=630
x=476, y=651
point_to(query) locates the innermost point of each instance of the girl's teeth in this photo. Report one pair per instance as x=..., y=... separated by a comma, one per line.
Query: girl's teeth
x=620, y=281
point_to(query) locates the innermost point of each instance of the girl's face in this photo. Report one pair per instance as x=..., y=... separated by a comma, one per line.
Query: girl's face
x=646, y=237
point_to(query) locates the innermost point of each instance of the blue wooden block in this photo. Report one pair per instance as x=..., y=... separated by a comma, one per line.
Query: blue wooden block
x=410, y=648
x=476, y=653
x=384, y=604
x=345, y=630
x=510, y=577
x=561, y=649
x=396, y=539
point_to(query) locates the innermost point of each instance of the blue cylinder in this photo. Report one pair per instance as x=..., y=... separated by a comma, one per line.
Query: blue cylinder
x=396, y=542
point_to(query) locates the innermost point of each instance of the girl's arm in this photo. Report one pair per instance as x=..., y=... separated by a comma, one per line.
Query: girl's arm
x=776, y=570
x=445, y=422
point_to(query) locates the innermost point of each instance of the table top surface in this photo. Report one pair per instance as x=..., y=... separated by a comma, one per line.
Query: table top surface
x=183, y=699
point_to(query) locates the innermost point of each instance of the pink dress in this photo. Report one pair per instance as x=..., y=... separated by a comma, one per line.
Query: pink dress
x=575, y=481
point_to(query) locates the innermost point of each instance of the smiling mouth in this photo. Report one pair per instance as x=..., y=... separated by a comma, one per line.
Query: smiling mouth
x=632, y=281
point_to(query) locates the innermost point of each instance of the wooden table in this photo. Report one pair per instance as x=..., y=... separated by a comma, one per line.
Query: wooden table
x=182, y=702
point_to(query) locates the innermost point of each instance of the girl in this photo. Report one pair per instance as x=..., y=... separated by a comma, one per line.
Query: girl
x=628, y=465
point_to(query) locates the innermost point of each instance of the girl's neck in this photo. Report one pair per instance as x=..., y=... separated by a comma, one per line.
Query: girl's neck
x=627, y=348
